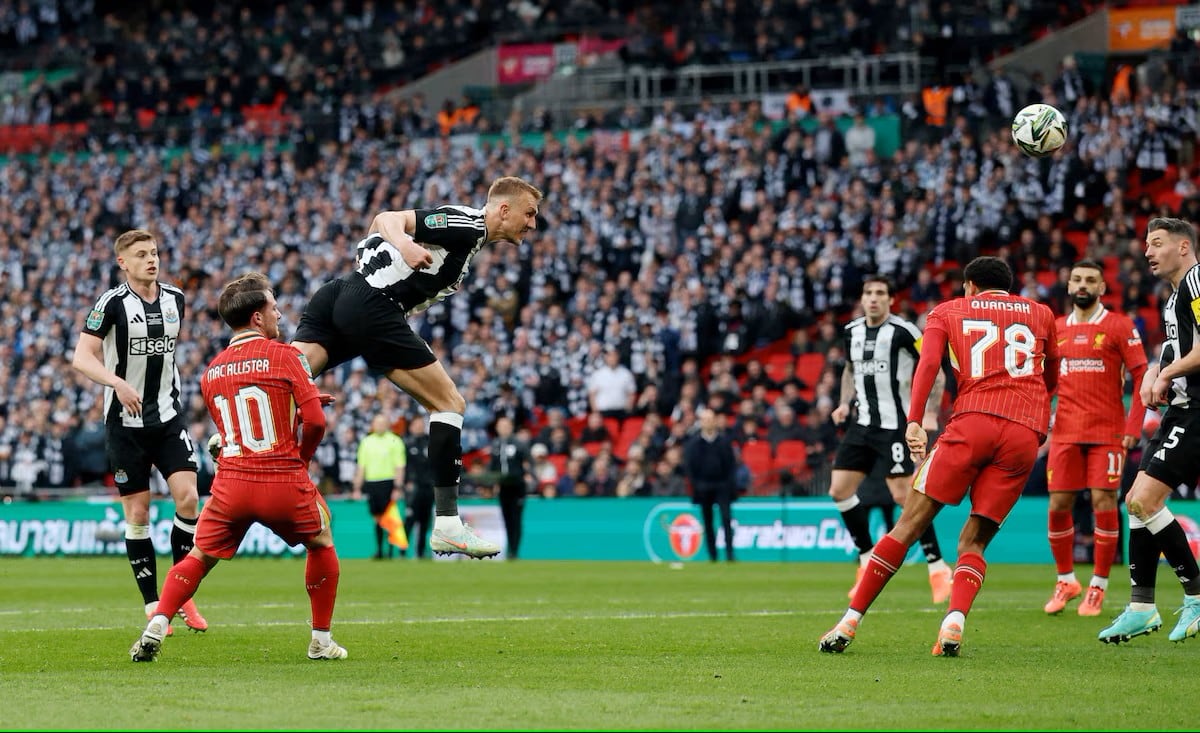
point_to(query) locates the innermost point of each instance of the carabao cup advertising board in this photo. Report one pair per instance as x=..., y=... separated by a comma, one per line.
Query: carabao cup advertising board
x=640, y=529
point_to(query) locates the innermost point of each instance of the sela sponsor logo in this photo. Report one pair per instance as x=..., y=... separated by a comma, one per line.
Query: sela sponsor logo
x=142, y=346
x=874, y=366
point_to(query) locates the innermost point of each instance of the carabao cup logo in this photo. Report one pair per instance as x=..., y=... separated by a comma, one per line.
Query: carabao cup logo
x=684, y=533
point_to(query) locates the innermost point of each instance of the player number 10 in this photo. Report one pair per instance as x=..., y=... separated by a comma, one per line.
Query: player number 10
x=246, y=399
x=1019, y=343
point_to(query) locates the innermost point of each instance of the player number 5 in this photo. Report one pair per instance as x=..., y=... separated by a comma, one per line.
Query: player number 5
x=1019, y=345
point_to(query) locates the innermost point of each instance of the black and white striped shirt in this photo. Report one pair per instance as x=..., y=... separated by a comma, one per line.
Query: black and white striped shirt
x=883, y=358
x=452, y=234
x=139, y=347
x=1183, y=331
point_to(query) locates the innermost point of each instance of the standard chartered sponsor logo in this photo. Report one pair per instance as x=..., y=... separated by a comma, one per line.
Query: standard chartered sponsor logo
x=1083, y=365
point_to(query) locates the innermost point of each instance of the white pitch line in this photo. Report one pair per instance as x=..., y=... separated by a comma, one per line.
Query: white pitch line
x=632, y=616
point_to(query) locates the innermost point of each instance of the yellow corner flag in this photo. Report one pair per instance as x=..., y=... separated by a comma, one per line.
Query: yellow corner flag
x=390, y=520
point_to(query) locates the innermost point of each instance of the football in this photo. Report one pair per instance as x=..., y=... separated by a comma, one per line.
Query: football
x=1039, y=130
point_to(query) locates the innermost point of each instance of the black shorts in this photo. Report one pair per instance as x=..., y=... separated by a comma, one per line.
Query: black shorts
x=349, y=318
x=1173, y=454
x=863, y=446
x=379, y=495
x=132, y=451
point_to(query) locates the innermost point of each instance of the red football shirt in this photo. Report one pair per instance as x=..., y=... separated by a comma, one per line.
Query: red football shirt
x=253, y=390
x=1003, y=351
x=1091, y=380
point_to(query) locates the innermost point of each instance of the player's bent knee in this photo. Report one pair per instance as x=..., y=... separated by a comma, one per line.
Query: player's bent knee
x=453, y=401
x=323, y=539
x=315, y=354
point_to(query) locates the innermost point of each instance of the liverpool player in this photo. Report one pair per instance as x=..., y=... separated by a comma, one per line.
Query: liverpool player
x=1172, y=457
x=1091, y=431
x=254, y=390
x=1003, y=351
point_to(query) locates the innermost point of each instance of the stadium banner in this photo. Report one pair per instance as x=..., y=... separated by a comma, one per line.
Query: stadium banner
x=658, y=530
x=523, y=63
x=1141, y=28
x=1187, y=17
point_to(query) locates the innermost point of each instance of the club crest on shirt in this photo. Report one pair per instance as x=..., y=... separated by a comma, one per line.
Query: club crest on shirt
x=120, y=476
x=95, y=319
x=436, y=221
x=1098, y=342
x=170, y=314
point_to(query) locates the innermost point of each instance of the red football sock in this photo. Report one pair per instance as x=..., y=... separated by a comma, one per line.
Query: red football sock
x=885, y=560
x=1062, y=541
x=183, y=580
x=1107, y=529
x=321, y=579
x=968, y=580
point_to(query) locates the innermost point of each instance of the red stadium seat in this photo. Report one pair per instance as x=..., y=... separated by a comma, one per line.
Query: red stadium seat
x=757, y=457
x=809, y=368
x=1079, y=240
x=776, y=366
x=792, y=455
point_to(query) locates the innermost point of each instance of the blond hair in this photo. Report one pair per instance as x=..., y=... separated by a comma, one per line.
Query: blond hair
x=130, y=238
x=511, y=186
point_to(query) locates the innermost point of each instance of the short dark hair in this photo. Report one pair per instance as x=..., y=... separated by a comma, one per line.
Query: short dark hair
x=1177, y=227
x=887, y=282
x=1091, y=265
x=242, y=298
x=989, y=273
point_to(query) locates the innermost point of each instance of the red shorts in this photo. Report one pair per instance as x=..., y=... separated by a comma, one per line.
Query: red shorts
x=1074, y=467
x=987, y=455
x=295, y=512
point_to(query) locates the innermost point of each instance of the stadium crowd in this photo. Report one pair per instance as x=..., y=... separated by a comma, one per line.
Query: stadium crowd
x=665, y=275
x=192, y=72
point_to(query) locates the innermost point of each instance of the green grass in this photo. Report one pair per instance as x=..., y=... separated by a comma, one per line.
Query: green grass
x=554, y=646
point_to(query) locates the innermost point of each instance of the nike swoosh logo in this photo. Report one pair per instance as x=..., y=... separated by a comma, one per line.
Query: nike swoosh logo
x=459, y=545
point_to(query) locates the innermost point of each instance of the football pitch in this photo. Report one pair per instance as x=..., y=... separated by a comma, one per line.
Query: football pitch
x=574, y=645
